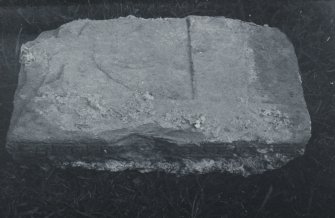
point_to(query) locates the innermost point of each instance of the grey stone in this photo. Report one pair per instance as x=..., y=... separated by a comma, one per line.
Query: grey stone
x=196, y=94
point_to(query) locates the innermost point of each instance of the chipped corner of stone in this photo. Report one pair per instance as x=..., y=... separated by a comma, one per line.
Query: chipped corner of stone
x=26, y=56
x=31, y=52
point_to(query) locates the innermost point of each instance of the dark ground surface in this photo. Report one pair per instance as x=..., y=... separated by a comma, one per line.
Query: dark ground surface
x=303, y=188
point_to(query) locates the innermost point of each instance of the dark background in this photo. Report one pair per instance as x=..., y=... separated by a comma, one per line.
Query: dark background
x=305, y=187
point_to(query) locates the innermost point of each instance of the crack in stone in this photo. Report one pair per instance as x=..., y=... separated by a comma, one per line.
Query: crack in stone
x=191, y=67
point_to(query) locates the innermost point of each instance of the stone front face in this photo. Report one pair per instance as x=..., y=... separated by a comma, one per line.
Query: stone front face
x=180, y=95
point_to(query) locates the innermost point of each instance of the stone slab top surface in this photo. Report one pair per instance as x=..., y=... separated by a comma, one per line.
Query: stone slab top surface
x=193, y=80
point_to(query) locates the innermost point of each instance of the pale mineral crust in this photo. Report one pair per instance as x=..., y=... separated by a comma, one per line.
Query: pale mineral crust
x=195, y=94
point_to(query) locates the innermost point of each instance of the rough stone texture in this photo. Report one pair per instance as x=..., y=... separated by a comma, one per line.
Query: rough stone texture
x=181, y=95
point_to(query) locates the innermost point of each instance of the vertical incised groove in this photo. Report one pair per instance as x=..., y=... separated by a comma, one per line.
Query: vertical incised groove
x=189, y=45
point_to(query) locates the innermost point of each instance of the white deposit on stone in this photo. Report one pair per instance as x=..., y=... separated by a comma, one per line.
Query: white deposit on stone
x=193, y=94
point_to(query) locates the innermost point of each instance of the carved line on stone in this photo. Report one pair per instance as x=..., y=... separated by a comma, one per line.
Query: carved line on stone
x=82, y=28
x=58, y=75
x=189, y=45
x=108, y=75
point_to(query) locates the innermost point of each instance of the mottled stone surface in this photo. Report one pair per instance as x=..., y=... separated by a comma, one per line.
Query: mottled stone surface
x=249, y=78
x=181, y=95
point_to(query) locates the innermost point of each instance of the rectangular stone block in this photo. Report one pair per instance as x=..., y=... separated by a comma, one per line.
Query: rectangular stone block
x=186, y=95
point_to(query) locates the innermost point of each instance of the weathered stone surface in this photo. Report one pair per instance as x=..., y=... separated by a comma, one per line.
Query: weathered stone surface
x=180, y=95
x=249, y=76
